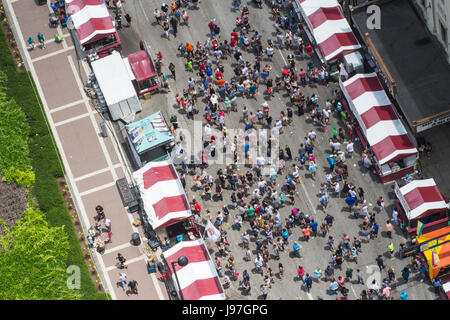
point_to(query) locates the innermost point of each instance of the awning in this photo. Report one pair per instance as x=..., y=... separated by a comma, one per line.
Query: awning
x=113, y=79
x=442, y=251
x=91, y=19
x=377, y=118
x=329, y=27
x=198, y=279
x=141, y=65
x=149, y=133
x=162, y=194
x=422, y=198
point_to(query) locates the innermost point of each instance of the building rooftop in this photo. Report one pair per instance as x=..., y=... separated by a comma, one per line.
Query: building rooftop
x=413, y=57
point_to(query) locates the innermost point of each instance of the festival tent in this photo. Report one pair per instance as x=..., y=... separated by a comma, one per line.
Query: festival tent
x=141, y=65
x=198, y=279
x=383, y=129
x=329, y=27
x=421, y=198
x=91, y=20
x=162, y=193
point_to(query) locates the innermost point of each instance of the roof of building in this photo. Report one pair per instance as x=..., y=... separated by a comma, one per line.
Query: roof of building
x=413, y=57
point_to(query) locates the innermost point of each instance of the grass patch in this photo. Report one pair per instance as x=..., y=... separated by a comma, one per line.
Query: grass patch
x=45, y=163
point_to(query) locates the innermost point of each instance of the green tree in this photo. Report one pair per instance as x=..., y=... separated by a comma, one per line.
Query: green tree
x=14, y=133
x=32, y=256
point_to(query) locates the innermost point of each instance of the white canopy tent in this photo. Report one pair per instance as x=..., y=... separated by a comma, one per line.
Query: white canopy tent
x=114, y=80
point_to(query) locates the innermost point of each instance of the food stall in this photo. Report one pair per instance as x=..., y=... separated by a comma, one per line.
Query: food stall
x=198, y=279
x=149, y=139
x=115, y=84
x=421, y=200
x=435, y=254
x=145, y=76
x=380, y=129
x=93, y=28
x=325, y=24
x=162, y=194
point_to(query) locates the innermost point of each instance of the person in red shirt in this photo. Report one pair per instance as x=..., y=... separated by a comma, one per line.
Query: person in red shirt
x=302, y=76
x=309, y=50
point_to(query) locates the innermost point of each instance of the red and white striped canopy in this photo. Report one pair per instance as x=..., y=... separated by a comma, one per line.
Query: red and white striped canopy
x=382, y=128
x=162, y=194
x=422, y=198
x=198, y=279
x=331, y=30
x=91, y=19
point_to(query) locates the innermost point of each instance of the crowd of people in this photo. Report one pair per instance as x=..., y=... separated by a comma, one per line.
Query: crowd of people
x=256, y=199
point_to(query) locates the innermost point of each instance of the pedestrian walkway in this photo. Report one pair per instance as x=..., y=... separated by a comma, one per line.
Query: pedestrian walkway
x=93, y=163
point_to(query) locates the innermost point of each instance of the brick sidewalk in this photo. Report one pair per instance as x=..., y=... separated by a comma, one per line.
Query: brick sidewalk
x=92, y=163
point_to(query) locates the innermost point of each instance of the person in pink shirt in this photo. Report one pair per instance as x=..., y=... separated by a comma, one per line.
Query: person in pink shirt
x=389, y=229
x=386, y=292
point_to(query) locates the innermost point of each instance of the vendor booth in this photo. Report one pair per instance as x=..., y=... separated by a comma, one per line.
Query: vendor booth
x=163, y=197
x=143, y=68
x=421, y=200
x=149, y=139
x=93, y=26
x=324, y=21
x=115, y=84
x=438, y=258
x=380, y=129
x=198, y=279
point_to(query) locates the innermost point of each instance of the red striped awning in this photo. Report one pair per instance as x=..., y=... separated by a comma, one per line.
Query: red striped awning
x=91, y=19
x=377, y=118
x=162, y=194
x=422, y=198
x=329, y=27
x=198, y=279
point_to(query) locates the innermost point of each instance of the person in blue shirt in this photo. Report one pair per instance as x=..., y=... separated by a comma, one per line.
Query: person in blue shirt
x=296, y=248
x=375, y=230
x=285, y=235
x=309, y=149
x=208, y=71
x=331, y=163
x=31, y=42
x=334, y=286
x=324, y=201
x=313, y=225
x=403, y=295
x=436, y=284
x=308, y=282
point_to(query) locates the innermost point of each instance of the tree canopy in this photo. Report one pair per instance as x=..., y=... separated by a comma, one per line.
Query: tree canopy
x=32, y=260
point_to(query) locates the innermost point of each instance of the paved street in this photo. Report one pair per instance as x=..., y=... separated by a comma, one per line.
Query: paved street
x=314, y=252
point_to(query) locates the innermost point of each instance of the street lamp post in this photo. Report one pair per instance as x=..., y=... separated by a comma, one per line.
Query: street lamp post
x=182, y=261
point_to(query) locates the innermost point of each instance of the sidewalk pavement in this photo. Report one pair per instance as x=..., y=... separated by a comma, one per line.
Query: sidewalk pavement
x=92, y=163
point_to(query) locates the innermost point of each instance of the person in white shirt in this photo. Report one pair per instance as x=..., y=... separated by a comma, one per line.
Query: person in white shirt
x=336, y=146
x=312, y=136
x=350, y=149
x=395, y=216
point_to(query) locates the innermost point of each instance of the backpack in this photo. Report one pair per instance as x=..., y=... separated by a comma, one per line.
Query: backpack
x=177, y=14
x=216, y=29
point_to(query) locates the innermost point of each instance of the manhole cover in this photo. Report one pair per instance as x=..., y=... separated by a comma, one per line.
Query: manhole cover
x=422, y=42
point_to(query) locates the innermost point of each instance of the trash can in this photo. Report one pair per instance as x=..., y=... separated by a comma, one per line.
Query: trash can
x=135, y=239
